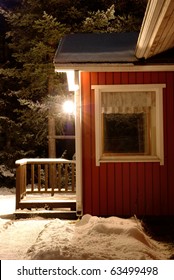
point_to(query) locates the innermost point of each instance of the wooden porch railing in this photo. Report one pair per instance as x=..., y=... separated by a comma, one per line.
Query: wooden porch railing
x=44, y=176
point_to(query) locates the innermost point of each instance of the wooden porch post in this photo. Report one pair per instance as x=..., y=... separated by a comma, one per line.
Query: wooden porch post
x=51, y=137
x=52, y=150
x=21, y=177
x=18, y=186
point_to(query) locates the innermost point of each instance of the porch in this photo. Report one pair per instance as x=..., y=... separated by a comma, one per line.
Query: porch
x=46, y=184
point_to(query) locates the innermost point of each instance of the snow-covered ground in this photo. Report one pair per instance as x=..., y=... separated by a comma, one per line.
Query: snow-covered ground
x=90, y=238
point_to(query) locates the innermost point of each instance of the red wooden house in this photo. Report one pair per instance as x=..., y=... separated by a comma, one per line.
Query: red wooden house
x=124, y=94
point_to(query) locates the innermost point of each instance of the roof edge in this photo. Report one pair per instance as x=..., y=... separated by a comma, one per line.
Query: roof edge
x=153, y=17
x=113, y=67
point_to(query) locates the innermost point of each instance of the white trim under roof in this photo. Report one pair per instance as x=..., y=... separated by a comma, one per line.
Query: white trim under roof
x=112, y=67
x=78, y=143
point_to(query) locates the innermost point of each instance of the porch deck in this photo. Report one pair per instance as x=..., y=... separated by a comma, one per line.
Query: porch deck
x=46, y=201
x=45, y=184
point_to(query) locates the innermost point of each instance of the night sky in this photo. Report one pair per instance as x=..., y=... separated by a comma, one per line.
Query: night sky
x=8, y=3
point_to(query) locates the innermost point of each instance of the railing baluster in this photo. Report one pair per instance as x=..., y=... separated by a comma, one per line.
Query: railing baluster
x=66, y=177
x=56, y=178
x=46, y=177
x=53, y=178
x=73, y=177
x=24, y=180
x=25, y=183
x=59, y=177
x=32, y=177
x=39, y=177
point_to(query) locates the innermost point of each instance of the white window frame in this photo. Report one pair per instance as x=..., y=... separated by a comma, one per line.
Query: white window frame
x=158, y=89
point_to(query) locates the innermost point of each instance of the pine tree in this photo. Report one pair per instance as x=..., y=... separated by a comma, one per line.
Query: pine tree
x=29, y=76
x=33, y=36
x=119, y=17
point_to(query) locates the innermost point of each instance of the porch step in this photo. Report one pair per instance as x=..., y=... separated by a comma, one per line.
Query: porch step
x=64, y=215
x=47, y=204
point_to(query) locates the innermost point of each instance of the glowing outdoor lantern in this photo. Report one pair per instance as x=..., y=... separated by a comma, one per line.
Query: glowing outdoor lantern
x=68, y=107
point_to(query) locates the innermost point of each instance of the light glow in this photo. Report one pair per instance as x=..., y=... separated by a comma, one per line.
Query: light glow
x=68, y=107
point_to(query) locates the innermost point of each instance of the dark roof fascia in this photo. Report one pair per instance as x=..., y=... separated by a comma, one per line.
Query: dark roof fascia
x=166, y=57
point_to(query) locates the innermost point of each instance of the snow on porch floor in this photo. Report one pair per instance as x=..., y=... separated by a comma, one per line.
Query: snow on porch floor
x=46, y=196
x=7, y=205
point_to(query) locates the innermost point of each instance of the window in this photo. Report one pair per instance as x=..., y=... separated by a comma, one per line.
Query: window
x=125, y=134
x=129, y=123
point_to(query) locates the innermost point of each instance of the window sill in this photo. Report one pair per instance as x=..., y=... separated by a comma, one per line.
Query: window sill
x=130, y=159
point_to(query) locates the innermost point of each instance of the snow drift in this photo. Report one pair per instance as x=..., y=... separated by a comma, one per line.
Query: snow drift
x=94, y=238
x=91, y=238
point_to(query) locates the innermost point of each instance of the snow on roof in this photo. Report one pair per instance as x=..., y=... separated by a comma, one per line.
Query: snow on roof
x=91, y=51
x=97, y=48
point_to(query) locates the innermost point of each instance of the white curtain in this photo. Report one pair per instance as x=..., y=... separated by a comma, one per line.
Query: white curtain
x=127, y=102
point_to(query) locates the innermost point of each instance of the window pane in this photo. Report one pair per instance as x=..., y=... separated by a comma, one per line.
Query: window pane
x=125, y=133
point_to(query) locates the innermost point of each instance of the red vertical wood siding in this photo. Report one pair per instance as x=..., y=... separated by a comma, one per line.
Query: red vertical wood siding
x=126, y=189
